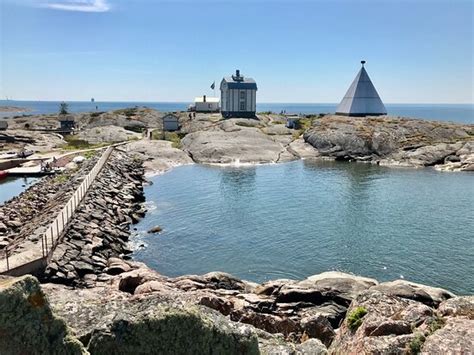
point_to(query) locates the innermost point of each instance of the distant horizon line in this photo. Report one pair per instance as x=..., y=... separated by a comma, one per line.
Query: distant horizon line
x=273, y=102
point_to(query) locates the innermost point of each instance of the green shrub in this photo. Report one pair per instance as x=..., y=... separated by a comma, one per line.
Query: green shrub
x=435, y=323
x=304, y=123
x=355, y=318
x=416, y=344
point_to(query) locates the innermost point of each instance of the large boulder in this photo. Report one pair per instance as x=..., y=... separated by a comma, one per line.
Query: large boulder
x=27, y=324
x=393, y=141
x=328, y=286
x=166, y=330
x=431, y=296
x=245, y=145
x=456, y=337
x=458, y=306
x=378, y=323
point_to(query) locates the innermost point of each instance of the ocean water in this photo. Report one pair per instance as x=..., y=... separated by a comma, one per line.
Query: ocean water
x=444, y=112
x=302, y=218
x=13, y=186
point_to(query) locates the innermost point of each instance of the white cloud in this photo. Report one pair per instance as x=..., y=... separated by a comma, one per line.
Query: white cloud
x=80, y=5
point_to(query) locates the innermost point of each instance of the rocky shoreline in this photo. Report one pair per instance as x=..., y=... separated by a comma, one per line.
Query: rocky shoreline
x=96, y=300
x=210, y=139
x=102, y=302
x=392, y=141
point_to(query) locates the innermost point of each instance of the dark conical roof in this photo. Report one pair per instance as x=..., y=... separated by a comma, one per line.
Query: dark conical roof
x=361, y=99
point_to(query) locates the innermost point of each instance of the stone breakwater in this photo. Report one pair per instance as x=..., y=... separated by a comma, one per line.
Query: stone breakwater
x=25, y=217
x=99, y=232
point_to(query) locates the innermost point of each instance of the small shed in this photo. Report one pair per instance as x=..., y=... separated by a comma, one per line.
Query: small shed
x=292, y=121
x=238, y=96
x=3, y=125
x=206, y=104
x=170, y=122
x=67, y=122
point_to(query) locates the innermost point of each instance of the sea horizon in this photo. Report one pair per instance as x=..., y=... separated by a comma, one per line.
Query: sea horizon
x=463, y=112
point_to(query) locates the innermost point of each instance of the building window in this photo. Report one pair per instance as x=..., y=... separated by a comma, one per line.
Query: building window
x=242, y=95
x=242, y=106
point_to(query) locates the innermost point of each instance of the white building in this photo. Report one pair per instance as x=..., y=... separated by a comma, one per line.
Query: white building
x=206, y=104
x=170, y=122
x=361, y=99
x=238, y=96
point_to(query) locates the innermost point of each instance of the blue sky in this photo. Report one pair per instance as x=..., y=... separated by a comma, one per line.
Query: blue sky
x=417, y=51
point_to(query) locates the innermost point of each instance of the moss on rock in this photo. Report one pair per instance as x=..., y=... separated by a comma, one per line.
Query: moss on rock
x=165, y=330
x=27, y=324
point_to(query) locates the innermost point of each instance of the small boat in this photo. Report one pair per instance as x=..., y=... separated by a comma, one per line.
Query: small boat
x=3, y=174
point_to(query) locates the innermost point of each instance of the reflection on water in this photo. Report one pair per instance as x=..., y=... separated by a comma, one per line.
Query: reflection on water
x=13, y=186
x=301, y=218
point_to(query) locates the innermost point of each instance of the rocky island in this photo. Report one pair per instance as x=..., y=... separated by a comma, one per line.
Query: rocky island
x=92, y=298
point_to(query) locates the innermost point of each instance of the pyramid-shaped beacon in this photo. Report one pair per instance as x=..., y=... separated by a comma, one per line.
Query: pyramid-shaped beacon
x=361, y=99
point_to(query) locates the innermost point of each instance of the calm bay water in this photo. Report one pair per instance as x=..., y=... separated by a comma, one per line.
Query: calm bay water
x=297, y=219
x=444, y=112
x=11, y=187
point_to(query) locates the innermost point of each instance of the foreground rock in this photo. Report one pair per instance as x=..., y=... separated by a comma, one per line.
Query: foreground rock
x=112, y=326
x=142, y=311
x=394, y=141
x=27, y=324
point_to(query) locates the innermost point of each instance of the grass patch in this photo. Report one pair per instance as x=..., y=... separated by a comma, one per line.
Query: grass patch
x=277, y=122
x=435, y=323
x=61, y=178
x=354, y=320
x=297, y=134
x=173, y=137
x=129, y=112
x=304, y=123
x=90, y=154
x=74, y=143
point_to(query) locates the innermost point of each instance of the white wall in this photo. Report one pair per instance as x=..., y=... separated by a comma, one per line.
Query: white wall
x=207, y=106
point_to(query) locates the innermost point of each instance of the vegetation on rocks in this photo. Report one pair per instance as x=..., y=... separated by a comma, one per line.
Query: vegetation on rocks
x=354, y=320
x=416, y=343
x=74, y=143
x=173, y=137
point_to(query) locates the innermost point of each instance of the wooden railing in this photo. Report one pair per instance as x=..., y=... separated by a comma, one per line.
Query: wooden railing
x=54, y=232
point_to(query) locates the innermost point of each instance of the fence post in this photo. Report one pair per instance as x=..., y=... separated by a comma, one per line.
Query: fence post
x=8, y=262
x=42, y=245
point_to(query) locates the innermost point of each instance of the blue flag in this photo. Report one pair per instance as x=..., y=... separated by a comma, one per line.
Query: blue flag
x=213, y=85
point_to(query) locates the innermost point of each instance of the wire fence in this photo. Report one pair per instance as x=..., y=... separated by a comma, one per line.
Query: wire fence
x=53, y=234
